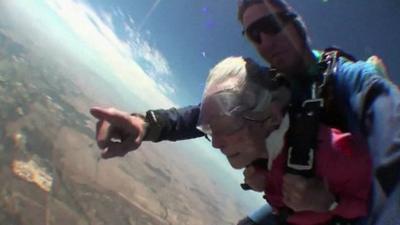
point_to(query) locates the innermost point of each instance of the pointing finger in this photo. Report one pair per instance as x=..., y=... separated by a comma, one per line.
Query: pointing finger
x=97, y=112
x=113, y=116
x=102, y=134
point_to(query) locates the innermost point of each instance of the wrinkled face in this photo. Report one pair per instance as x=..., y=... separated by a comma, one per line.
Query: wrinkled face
x=239, y=137
x=240, y=140
x=283, y=50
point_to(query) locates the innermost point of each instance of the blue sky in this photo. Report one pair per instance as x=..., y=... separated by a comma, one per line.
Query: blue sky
x=193, y=35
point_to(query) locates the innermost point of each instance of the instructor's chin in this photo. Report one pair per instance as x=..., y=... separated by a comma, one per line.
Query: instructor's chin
x=236, y=165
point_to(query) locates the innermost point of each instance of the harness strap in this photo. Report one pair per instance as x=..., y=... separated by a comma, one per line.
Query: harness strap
x=302, y=138
x=303, y=133
x=305, y=120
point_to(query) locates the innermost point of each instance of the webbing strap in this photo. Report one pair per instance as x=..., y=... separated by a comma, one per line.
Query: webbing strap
x=303, y=132
x=302, y=139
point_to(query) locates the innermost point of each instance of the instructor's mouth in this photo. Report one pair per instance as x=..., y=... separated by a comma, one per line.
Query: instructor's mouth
x=277, y=54
x=233, y=155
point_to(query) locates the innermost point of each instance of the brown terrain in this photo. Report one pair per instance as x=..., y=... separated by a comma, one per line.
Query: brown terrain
x=50, y=171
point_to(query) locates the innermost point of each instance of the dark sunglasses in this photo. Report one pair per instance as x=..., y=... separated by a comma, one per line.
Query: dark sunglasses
x=270, y=24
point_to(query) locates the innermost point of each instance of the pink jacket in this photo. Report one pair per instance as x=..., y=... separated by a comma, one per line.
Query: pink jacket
x=345, y=163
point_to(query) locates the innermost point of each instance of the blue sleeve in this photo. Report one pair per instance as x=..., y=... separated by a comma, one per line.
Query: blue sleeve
x=175, y=124
x=371, y=104
x=357, y=84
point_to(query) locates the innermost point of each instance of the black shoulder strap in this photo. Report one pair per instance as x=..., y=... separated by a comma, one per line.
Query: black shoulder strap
x=304, y=127
x=302, y=138
x=340, y=53
x=331, y=114
x=303, y=132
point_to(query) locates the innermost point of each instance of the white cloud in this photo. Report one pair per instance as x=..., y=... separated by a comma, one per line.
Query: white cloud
x=118, y=12
x=125, y=57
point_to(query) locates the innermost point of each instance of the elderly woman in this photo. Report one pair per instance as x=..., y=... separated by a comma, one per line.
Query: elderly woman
x=243, y=112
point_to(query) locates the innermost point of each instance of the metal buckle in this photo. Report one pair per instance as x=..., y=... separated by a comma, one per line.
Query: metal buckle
x=301, y=167
x=318, y=102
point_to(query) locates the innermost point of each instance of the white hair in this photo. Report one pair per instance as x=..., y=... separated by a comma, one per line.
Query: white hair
x=248, y=80
x=230, y=73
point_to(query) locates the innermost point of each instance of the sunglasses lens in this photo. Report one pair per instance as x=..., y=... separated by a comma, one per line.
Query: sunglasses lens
x=254, y=35
x=271, y=25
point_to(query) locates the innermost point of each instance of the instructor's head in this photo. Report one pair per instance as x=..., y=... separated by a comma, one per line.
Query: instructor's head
x=276, y=31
